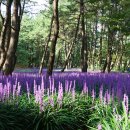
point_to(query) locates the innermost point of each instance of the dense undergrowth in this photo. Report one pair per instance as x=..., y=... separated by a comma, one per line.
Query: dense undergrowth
x=70, y=101
x=81, y=113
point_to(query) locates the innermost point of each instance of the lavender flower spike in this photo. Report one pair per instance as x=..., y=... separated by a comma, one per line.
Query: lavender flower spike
x=101, y=93
x=28, y=92
x=125, y=102
x=93, y=95
x=99, y=127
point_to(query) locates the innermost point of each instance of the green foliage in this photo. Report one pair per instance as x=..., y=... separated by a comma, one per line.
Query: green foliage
x=23, y=115
x=100, y=13
x=116, y=121
x=32, y=40
x=15, y=118
x=81, y=113
x=112, y=118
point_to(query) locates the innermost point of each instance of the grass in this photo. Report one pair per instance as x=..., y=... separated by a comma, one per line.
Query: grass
x=80, y=114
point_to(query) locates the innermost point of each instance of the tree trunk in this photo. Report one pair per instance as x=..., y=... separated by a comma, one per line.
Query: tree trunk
x=101, y=42
x=72, y=45
x=110, y=39
x=84, y=51
x=46, y=47
x=8, y=34
x=54, y=38
x=10, y=61
x=104, y=66
x=120, y=55
x=114, y=62
x=109, y=53
x=91, y=48
x=4, y=33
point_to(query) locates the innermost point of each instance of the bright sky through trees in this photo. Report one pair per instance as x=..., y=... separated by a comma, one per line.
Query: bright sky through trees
x=40, y=5
x=33, y=8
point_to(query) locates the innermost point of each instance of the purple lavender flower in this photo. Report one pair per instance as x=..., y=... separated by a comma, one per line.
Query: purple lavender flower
x=42, y=85
x=40, y=101
x=70, y=86
x=37, y=96
x=125, y=102
x=99, y=127
x=28, y=92
x=35, y=87
x=105, y=99
x=101, y=93
x=85, y=89
x=48, y=92
x=16, y=81
x=18, y=89
x=53, y=86
x=50, y=84
x=66, y=86
x=8, y=89
x=93, y=95
x=60, y=94
x=14, y=91
x=1, y=91
x=5, y=92
x=51, y=101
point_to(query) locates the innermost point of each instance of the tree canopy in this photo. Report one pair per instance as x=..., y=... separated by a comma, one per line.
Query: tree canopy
x=92, y=34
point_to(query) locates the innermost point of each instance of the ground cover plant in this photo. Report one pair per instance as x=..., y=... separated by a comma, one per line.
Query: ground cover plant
x=65, y=101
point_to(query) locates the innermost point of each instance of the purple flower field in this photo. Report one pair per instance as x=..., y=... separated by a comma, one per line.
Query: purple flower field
x=117, y=84
x=68, y=94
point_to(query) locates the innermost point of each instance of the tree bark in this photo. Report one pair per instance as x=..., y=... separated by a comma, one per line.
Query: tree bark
x=54, y=38
x=100, y=51
x=84, y=50
x=109, y=53
x=46, y=47
x=10, y=61
x=120, y=55
x=72, y=45
x=4, y=33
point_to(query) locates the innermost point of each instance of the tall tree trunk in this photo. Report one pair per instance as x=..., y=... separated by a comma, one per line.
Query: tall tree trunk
x=109, y=53
x=101, y=40
x=100, y=51
x=46, y=47
x=104, y=66
x=121, y=49
x=72, y=45
x=54, y=38
x=10, y=61
x=114, y=62
x=95, y=33
x=8, y=34
x=84, y=50
x=107, y=64
x=90, y=47
x=4, y=33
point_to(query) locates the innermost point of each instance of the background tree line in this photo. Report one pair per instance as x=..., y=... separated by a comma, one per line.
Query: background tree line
x=86, y=34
